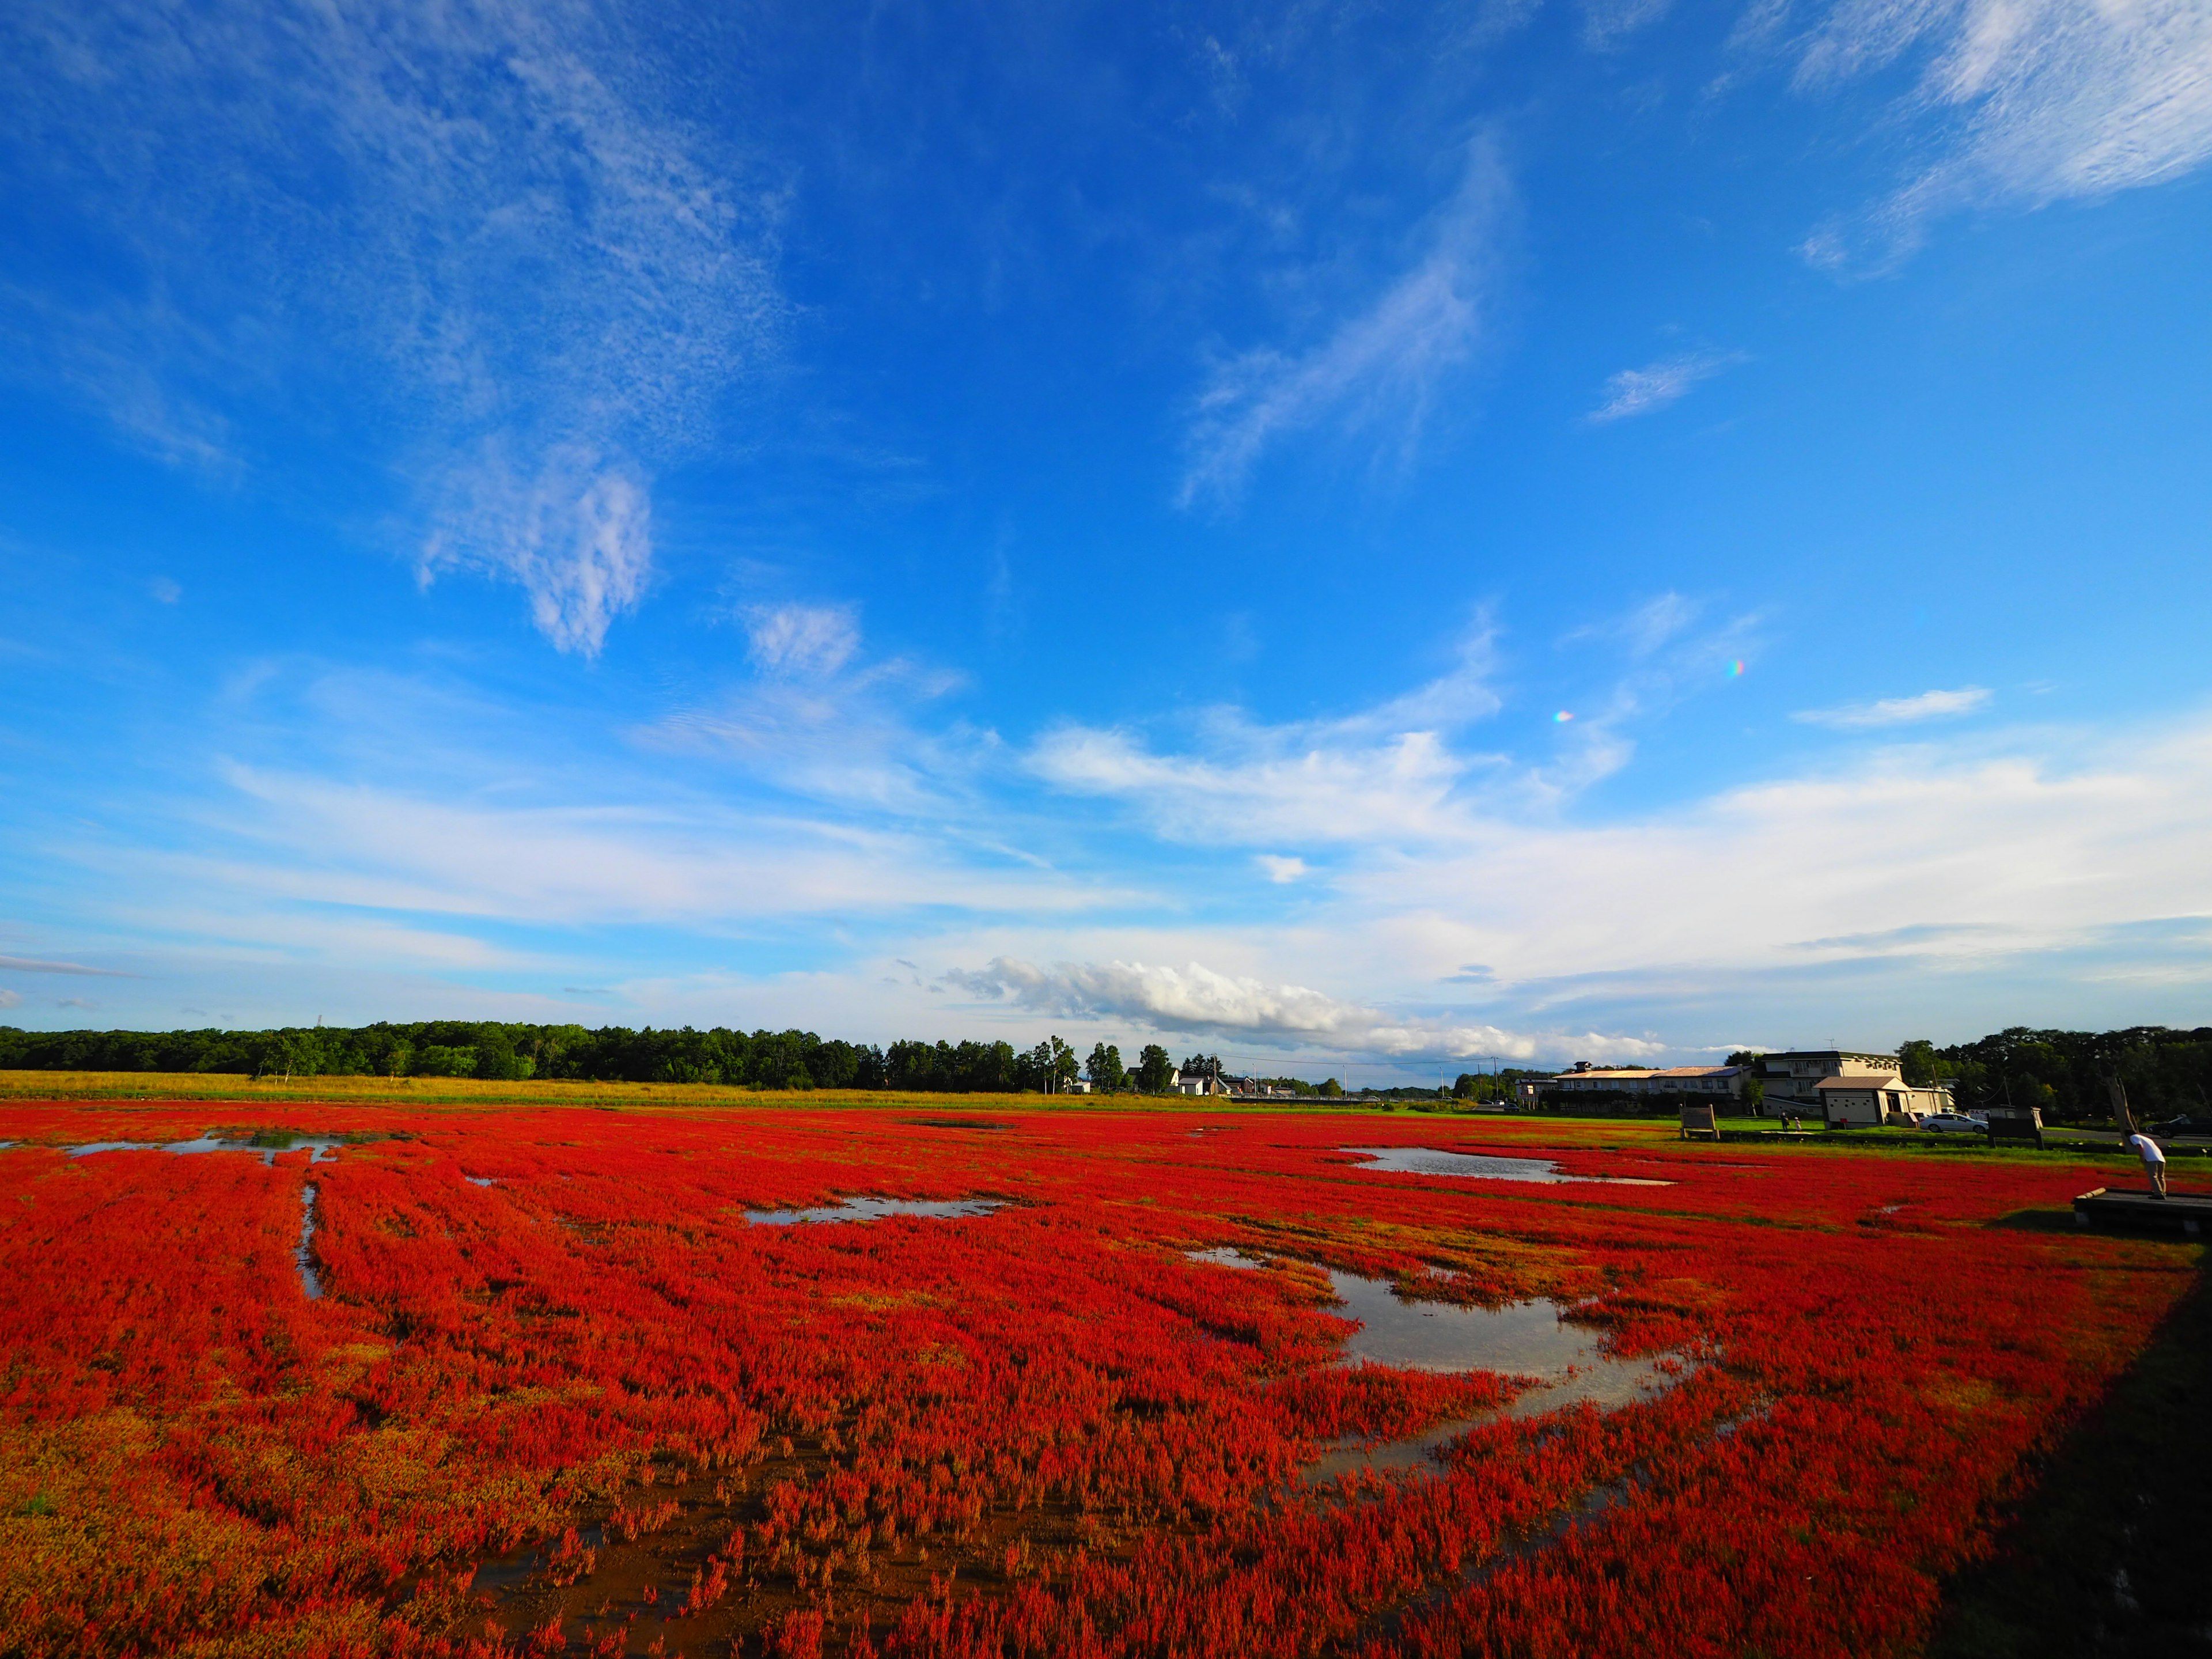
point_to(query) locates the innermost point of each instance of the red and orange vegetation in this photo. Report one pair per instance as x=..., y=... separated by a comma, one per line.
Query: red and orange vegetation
x=591, y=1406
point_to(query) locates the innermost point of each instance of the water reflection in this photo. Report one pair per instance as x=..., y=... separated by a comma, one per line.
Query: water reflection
x=1524, y=1340
x=319, y=1147
x=303, y=1255
x=874, y=1209
x=1480, y=1166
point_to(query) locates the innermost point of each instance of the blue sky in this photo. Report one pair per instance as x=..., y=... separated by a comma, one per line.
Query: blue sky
x=1357, y=538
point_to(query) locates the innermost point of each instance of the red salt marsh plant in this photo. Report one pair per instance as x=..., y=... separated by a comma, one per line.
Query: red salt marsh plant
x=1041, y=1429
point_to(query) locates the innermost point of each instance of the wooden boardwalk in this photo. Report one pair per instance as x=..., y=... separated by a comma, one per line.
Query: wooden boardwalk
x=2104, y=1207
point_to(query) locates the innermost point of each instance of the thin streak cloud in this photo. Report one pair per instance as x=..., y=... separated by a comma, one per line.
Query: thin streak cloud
x=33, y=965
x=1898, y=711
x=1379, y=371
x=1641, y=391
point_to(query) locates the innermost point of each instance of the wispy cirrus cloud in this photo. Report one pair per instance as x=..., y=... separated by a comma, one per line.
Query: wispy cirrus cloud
x=1400, y=769
x=2025, y=101
x=1641, y=391
x=802, y=639
x=1378, y=372
x=286, y=838
x=1607, y=24
x=1898, y=711
x=482, y=229
x=822, y=720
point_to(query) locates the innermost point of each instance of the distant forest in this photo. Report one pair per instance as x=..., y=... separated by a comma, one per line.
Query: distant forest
x=2065, y=1072
x=503, y=1052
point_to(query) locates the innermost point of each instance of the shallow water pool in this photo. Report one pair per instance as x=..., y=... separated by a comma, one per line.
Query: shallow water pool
x=1480, y=1166
x=875, y=1209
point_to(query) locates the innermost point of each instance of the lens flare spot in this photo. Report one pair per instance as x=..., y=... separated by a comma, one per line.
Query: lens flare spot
x=1735, y=669
x=1562, y=717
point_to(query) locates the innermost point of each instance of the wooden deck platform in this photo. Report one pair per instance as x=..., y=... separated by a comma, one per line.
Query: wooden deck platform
x=2104, y=1207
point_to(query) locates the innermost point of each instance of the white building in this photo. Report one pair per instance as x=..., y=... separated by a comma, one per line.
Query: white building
x=1844, y=1087
x=1868, y=1099
x=1198, y=1083
x=1703, y=1082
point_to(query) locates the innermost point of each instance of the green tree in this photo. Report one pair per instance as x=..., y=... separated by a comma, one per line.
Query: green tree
x=444, y=1059
x=1104, y=1069
x=1921, y=1063
x=1332, y=1088
x=1155, y=1071
x=496, y=1058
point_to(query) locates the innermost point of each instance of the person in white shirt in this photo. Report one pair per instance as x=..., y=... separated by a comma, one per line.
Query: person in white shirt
x=2153, y=1161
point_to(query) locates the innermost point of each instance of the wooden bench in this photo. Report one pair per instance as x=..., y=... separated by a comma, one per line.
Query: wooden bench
x=1700, y=1120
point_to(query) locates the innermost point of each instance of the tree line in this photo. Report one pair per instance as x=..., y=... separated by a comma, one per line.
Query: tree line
x=505, y=1051
x=2165, y=1071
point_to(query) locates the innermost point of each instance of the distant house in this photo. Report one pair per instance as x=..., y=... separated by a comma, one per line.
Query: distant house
x=1200, y=1083
x=1671, y=1082
x=1845, y=1087
x=1864, y=1099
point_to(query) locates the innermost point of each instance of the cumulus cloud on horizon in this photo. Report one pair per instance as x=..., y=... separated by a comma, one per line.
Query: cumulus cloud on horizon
x=1196, y=1000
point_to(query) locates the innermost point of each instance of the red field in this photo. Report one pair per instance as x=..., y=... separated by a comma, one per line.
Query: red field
x=1040, y=1430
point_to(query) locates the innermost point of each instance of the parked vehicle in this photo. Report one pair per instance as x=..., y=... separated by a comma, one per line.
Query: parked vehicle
x=2197, y=1123
x=1949, y=1123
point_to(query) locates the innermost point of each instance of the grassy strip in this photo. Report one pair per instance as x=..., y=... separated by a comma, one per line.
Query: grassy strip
x=539, y=1091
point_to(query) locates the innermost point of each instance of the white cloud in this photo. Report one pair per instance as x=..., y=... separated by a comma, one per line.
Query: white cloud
x=1640, y=391
x=1962, y=856
x=483, y=229
x=677, y=862
x=1394, y=773
x=2033, y=101
x=577, y=536
x=1196, y=998
x=164, y=590
x=1313, y=782
x=802, y=639
x=1897, y=711
x=10, y=999
x=1379, y=371
x=1607, y=23
x=820, y=721
x=1281, y=871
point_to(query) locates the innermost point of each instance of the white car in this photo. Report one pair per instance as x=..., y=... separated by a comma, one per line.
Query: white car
x=1946, y=1123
